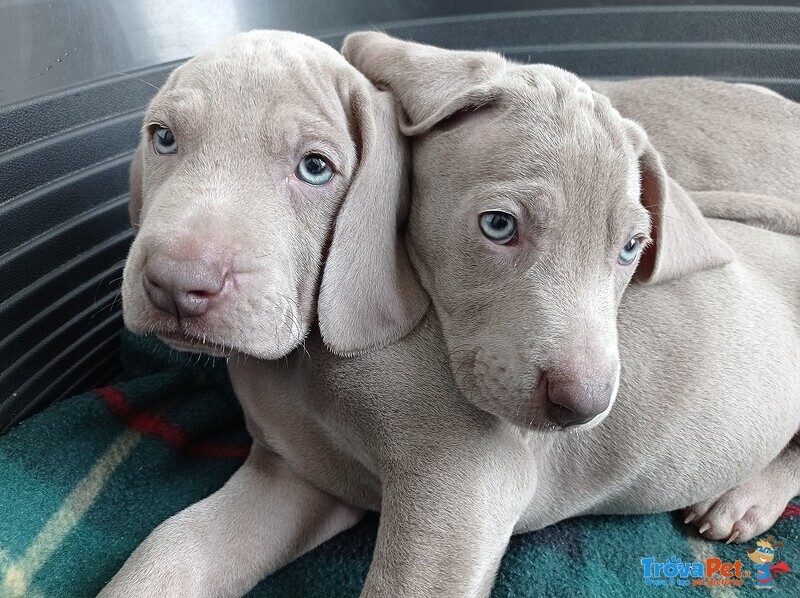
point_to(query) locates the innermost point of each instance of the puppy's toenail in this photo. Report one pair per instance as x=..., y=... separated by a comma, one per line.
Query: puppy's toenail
x=690, y=517
x=733, y=537
x=704, y=528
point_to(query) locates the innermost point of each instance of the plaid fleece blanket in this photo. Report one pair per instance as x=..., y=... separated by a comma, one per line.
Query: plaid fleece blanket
x=85, y=481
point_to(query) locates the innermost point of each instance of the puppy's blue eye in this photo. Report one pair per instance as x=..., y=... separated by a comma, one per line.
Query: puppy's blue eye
x=629, y=252
x=164, y=141
x=314, y=169
x=498, y=227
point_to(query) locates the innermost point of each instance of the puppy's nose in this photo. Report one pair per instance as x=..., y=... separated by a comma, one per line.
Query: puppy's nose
x=184, y=288
x=572, y=401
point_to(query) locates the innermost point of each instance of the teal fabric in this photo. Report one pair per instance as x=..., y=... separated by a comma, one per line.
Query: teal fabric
x=85, y=481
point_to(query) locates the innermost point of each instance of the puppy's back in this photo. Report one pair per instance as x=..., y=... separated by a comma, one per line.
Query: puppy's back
x=714, y=135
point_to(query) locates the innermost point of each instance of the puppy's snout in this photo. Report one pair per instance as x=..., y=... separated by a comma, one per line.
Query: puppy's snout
x=184, y=288
x=575, y=401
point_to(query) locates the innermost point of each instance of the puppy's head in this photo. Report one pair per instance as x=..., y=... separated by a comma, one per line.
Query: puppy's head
x=534, y=205
x=270, y=173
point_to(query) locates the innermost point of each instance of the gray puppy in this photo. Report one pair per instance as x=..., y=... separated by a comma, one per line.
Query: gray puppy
x=535, y=203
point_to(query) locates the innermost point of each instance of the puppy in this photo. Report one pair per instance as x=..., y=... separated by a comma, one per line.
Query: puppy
x=530, y=215
x=246, y=158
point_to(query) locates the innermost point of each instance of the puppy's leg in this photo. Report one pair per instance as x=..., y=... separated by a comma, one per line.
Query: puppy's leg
x=443, y=549
x=751, y=508
x=264, y=517
x=442, y=534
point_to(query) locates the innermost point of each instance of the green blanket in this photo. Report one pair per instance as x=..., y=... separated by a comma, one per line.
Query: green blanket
x=84, y=482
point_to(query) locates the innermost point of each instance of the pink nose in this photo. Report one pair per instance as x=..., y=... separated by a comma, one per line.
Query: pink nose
x=575, y=401
x=184, y=288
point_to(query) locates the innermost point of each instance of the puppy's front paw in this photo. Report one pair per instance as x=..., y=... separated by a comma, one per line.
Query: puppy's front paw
x=738, y=515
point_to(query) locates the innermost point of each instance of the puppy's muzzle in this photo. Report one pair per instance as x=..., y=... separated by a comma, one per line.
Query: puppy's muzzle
x=184, y=288
x=576, y=401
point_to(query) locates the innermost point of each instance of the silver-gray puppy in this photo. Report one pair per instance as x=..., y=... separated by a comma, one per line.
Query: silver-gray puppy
x=534, y=205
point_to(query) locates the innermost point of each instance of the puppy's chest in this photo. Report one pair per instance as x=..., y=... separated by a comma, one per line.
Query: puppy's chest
x=288, y=411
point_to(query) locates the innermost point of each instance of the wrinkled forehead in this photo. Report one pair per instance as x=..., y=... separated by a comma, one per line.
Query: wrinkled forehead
x=555, y=152
x=561, y=140
x=263, y=100
x=266, y=78
x=253, y=61
x=561, y=122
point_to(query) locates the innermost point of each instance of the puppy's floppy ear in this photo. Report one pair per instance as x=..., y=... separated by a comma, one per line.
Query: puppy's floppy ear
x=429, y=83
x=683, y=242
x=135, y=180
x=369, y=295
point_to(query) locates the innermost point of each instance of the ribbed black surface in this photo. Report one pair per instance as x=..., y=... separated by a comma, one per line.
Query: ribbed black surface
x=757, y=44
x=64, y=233
x=64, y=159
